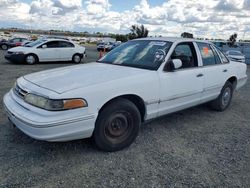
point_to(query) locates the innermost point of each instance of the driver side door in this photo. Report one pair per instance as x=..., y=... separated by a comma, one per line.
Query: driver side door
x=181, y=88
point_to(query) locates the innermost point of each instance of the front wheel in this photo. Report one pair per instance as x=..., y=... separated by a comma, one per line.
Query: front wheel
x=117, y=125
x=224, y=99
x=31, y=59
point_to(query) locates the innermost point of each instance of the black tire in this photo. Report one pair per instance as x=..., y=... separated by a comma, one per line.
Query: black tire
x=224, y=99
x=31, y=59
x=4, y=47
x=77, y=58
x=117, y=125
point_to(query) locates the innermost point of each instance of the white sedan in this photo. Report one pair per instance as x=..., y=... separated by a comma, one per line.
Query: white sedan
x=137, y=81
x=235, y=55
x=46, y=50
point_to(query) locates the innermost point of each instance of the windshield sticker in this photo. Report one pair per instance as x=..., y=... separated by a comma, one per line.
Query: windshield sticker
x=157, y=43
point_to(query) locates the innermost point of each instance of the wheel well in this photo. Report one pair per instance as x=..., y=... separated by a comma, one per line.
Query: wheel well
x=77, y=54
x=233, y=81
x=138, y=101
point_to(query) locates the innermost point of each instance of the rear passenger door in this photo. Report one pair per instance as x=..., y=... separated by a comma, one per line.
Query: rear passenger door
x=215, y=70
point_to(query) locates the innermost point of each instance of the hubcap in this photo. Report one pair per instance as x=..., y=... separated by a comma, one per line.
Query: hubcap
x=118, y=127
x=30, y=59
x=77, y=59
x=226, y=96
x=4, y=47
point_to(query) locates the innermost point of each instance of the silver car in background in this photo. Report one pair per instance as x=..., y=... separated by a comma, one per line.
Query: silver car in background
x=235, y=55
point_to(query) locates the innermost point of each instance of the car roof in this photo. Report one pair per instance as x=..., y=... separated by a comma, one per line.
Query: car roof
x=174, y=39
x=234, y=51
x=55, y=39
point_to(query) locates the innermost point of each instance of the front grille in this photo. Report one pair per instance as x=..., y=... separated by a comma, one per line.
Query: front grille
x=20, y=92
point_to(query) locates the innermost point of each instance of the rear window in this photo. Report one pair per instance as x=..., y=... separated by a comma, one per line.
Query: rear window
x=222, y=55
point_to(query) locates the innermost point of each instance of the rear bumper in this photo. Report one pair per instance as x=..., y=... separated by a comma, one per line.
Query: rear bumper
x=15, y=58
x=42, y=127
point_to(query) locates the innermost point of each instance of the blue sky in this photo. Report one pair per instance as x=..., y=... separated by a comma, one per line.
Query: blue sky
x=210, y=18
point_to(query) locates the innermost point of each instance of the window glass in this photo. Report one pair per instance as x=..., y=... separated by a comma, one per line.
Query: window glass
x=187, y=54
x=145, y=54
x=64, y=44
x=35, y=43
x=15, y=40
x=52, y=44
x=222, y=56
x=207, y=54
x=216, y=56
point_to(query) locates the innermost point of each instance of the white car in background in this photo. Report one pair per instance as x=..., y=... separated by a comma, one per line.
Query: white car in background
x=235, y=55
x=46, y=50
x=137, y=81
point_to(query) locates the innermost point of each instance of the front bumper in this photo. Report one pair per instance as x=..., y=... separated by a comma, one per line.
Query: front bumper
x=15, y=58
x=47, y=127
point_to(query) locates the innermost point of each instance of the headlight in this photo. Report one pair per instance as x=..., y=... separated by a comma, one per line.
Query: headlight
x=16, y=53
x=54, y=104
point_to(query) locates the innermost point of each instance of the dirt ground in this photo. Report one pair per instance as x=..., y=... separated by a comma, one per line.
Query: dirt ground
x=196, y=147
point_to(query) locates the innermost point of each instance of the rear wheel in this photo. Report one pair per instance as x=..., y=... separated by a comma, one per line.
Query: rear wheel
x=224, y=99
x=4, y=47
x=117, y=125
x=31, y=59
x=76, y=58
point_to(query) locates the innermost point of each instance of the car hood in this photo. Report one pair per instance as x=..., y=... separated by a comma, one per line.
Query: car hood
x=18, y=49
x=65, y=79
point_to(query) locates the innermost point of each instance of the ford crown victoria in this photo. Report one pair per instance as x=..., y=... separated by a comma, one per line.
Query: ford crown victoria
x=109, y=99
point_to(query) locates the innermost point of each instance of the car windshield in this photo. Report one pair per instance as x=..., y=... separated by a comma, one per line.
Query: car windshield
x=32, y=44
x=235, y=53
x=145, y=54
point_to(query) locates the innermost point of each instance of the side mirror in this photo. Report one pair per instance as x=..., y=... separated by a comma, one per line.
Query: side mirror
x=173, y=65
x=44, y=46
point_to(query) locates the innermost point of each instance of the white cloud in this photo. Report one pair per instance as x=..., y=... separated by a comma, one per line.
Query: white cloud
x=97, y=6
x=210, y=18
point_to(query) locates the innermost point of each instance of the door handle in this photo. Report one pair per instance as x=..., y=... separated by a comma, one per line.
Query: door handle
x=199, y=75
x=225, y=70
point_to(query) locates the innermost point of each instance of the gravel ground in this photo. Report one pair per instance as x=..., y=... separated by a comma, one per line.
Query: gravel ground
x=196, y=147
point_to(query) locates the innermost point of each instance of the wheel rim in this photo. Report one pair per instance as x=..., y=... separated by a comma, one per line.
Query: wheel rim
x=4, y=47
x=30, y=59
x=77, y=59
x=226, y=97
x=118, y=127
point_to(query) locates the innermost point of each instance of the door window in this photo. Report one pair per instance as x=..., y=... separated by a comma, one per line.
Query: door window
x=216, y=56
x=187, y=54
x=207, y=54
x=64, y=44
x=222, y=56
x=52, y=44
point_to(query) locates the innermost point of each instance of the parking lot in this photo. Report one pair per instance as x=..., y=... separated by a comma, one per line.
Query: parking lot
x=196, y=147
